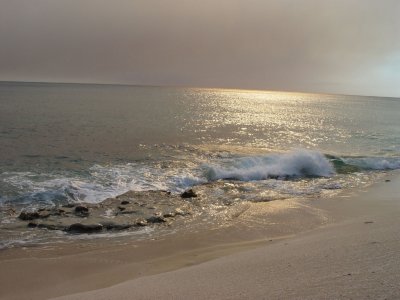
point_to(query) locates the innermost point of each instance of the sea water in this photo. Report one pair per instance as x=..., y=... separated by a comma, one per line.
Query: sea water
x=72, y=143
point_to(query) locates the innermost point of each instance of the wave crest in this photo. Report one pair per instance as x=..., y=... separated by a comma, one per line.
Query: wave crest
x=374, y=163
x=299, y=163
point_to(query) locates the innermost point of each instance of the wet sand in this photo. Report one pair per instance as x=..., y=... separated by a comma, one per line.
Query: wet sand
x=342, y=247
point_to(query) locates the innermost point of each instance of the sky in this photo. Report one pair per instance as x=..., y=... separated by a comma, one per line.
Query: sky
x=335, y=46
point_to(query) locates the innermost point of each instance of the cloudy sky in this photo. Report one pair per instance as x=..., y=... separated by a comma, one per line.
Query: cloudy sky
x=336, y=46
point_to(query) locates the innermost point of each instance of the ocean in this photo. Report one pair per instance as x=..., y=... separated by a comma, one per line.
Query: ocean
x=67, y=144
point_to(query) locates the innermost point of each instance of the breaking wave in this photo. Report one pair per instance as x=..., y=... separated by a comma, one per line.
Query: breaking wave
x=299, y=163
x=103, y=181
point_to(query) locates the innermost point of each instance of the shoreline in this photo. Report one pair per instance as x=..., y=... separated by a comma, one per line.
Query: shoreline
x=68, y=269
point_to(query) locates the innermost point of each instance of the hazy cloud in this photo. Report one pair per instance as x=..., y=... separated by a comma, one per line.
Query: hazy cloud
x=342, y=46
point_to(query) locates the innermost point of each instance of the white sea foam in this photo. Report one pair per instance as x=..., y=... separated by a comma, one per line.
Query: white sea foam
x=103, y=182
x=298, y=163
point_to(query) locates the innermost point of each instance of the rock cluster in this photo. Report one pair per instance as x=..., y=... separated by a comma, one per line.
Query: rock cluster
x=129, y=210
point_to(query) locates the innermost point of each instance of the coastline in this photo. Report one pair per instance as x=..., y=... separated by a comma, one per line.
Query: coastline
x=109, y=271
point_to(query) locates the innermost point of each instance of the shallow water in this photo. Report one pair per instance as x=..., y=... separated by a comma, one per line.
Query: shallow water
x=85, y=143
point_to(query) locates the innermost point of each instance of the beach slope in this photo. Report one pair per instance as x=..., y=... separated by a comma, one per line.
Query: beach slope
x=357, y=257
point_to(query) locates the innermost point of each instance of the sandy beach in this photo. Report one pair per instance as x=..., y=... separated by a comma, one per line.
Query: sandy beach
x=352, y=254
x=199, y=150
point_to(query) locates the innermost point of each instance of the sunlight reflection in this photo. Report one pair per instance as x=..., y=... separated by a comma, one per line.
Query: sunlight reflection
x=265, y=118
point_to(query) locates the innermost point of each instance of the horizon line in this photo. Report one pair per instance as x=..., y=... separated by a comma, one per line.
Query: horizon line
x=189, y=87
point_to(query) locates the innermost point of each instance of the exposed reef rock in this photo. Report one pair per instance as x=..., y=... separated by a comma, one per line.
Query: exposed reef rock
x=124, y=212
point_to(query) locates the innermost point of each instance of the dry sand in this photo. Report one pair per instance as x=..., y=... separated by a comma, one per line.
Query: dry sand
x=355, y=256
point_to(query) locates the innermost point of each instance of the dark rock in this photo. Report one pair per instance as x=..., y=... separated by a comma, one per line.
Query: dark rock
x=156, y=219
x=387, y=180
x=125, y=202
x=28, y=216
x=121, y=208
x=32, y=225
x=69, y=205
x=81, y=210
x=84, y=228
x=40, y=214
x=188, y=194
